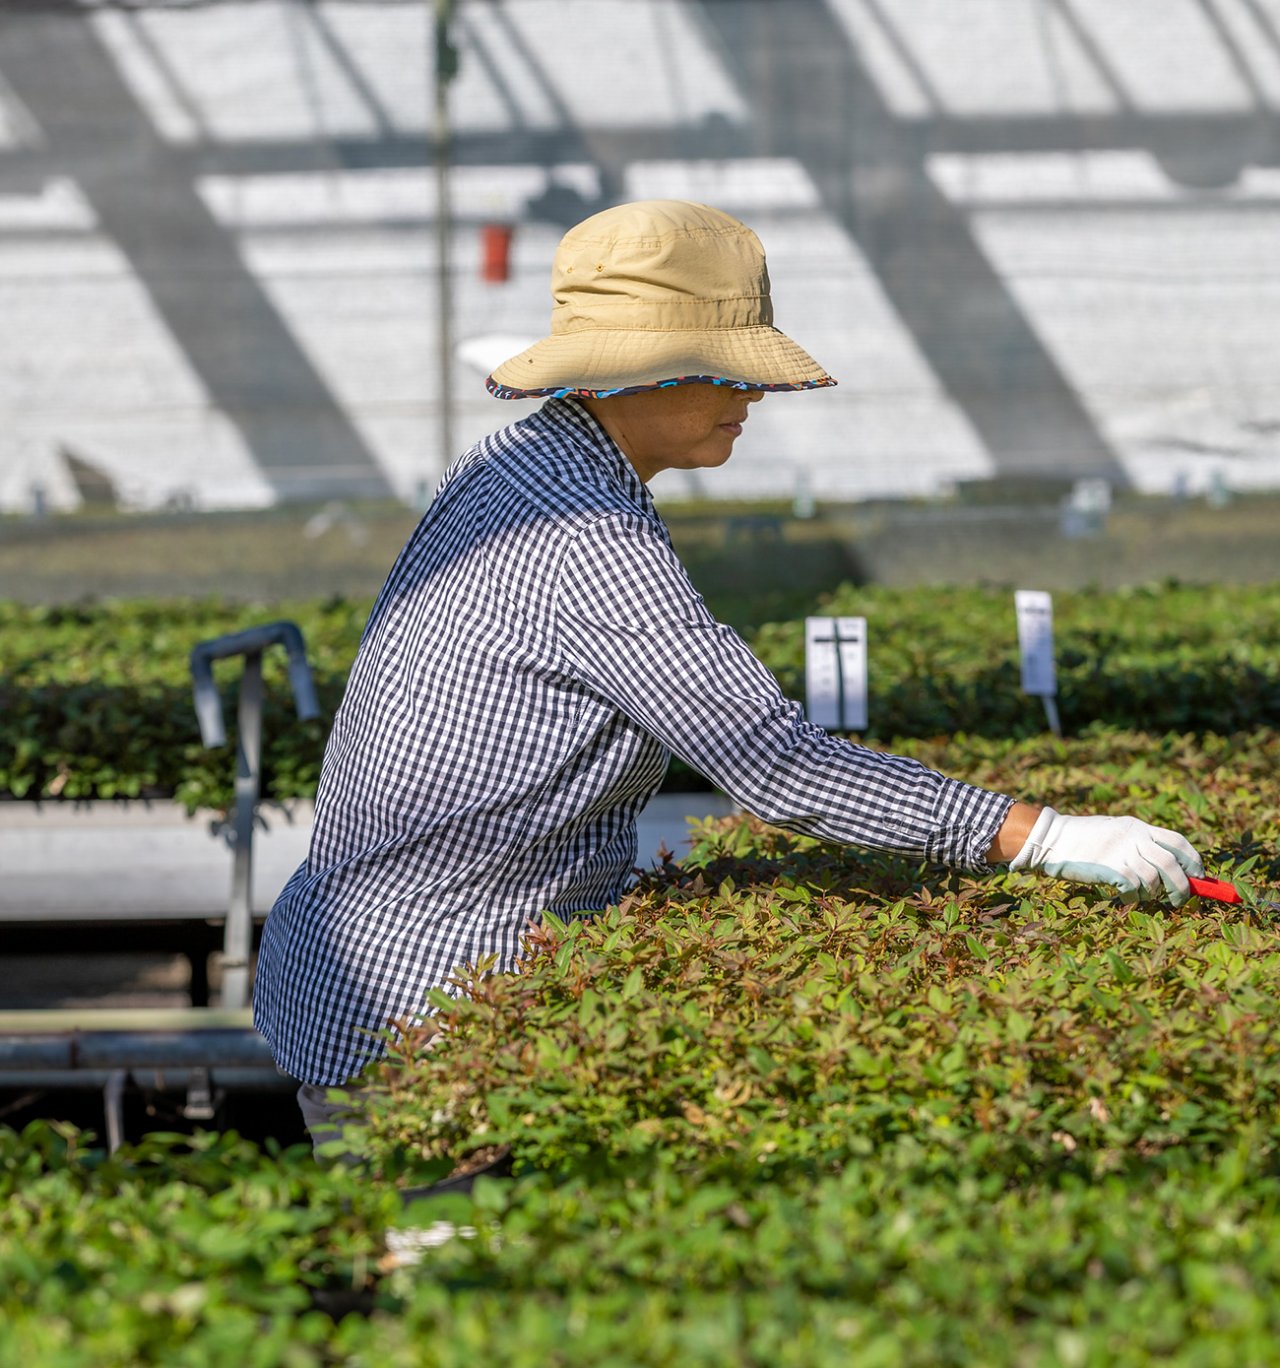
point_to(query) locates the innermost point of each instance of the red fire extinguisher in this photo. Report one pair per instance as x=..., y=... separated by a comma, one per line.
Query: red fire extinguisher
x=495, y=252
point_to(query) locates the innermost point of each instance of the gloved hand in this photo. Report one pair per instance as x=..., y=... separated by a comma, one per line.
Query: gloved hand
x=1122, y=851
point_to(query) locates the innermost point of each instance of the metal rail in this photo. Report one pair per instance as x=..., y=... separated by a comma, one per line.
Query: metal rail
x=45, y=1046
x=106, y=1048
x=199, y=1051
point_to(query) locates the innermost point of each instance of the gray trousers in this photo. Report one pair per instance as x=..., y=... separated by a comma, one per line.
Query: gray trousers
x=326, y=1120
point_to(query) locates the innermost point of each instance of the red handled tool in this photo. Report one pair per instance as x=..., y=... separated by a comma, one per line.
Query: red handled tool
x=1217, y=889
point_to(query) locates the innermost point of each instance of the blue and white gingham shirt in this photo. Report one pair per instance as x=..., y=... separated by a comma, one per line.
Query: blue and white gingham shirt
x=534, y=657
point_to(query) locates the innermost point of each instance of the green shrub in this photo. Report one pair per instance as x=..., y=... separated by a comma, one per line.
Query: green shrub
x=782, y=1023
x=1169, y=658
x=95, y=699
x=180, y=1250
x=789, y=1105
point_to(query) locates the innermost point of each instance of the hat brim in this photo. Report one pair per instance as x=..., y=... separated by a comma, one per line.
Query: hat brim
x=597, y=362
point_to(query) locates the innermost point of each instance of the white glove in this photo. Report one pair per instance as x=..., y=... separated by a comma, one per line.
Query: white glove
x=1122, y=851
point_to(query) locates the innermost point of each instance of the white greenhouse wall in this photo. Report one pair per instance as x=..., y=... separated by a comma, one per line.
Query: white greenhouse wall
x=1028, y=239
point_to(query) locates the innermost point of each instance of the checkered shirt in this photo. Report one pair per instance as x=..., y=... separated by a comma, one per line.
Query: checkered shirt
x=535, y=656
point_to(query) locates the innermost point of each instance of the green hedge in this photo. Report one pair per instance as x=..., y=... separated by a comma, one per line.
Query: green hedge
x=789, y=1105
x=95, y=700
x=1169, y=658
x=163, y=1261
x=776, y=999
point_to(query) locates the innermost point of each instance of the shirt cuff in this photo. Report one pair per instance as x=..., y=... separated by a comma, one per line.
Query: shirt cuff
x=968, y=820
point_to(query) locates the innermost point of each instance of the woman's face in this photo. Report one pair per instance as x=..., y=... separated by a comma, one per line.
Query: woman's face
x=683, y=427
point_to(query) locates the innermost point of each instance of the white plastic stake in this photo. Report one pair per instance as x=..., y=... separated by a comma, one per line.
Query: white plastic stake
x=835, y=670
x=1034, y=608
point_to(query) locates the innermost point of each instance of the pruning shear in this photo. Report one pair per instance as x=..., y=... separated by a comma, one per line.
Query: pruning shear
x=1218, y=890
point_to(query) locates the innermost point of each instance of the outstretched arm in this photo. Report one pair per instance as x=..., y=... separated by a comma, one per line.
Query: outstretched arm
x=1124, y=853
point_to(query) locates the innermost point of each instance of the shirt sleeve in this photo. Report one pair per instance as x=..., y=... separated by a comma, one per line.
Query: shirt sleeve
x=634, y=630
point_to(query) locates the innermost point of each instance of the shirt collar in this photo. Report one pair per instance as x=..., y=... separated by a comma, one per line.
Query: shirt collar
x=568, y=412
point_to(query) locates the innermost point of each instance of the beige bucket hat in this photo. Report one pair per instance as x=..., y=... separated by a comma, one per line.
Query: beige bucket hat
x=657, y=293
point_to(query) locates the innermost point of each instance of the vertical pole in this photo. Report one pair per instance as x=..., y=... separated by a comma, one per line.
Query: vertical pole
x=113, y=1108
x=1051, y=713
x=238, y=945
x=445, y=68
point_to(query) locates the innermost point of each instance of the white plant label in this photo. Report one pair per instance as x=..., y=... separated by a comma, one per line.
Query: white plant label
x=1035, y=640
x=835, y=672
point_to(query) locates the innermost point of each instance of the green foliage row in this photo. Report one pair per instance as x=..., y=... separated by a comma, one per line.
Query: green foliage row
x=95, y=699
x=788, y=1105
x=771, y=983
x=1159, y=658
x=230, y=1258
x=179, y=1250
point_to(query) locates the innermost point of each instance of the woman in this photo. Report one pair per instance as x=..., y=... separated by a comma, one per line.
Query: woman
x=538, y=652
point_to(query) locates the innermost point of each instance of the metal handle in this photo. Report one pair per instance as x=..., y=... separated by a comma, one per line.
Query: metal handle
x=254, y=640
x=238, y=933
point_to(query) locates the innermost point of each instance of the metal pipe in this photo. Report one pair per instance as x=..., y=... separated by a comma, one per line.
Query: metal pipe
x=1051, y=713
x=113, y=1105
x=51, y=1020
x=135, y=1050
x=37, y=1052
x=149, y=1080
x=144, y=1038
x=238, y=933
x=446, y=68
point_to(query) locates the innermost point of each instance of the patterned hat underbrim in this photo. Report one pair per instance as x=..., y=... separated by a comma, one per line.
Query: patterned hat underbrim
x=564, y=391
